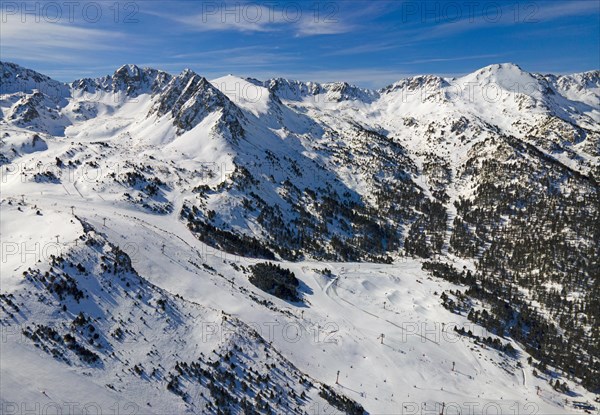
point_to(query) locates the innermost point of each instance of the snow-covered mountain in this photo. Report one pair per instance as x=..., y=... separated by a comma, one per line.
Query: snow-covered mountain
x=138, y=207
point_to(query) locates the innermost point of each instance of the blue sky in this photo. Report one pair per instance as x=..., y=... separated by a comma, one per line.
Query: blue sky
x=370, y=43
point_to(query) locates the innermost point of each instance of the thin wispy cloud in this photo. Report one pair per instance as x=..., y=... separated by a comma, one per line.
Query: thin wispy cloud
x=454, y=59
x=368, y=48
x=223, y=18
x=217, y=53
x=311, y=27
x=52, y=41
x=232, y=59
x=299, y=19
x=504, y=15
x=554, y=10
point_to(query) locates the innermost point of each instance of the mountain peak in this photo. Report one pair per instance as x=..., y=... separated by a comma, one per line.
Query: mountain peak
x=501, y=70
x=504, y=66
x=129, y=69
x=190, y=98
x=187, y=72
x=188, y=76
x=129, y=78
x=416, y=82
x=15, y=78
x=507, y=76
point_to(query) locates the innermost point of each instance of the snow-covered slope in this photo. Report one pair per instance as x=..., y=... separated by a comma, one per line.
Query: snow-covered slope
x=134, y=207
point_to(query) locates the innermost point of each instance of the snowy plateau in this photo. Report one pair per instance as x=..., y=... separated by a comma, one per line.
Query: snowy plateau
x=176, y=245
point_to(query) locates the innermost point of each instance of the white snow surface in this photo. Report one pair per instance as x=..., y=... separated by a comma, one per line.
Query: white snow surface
x=339, y=328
